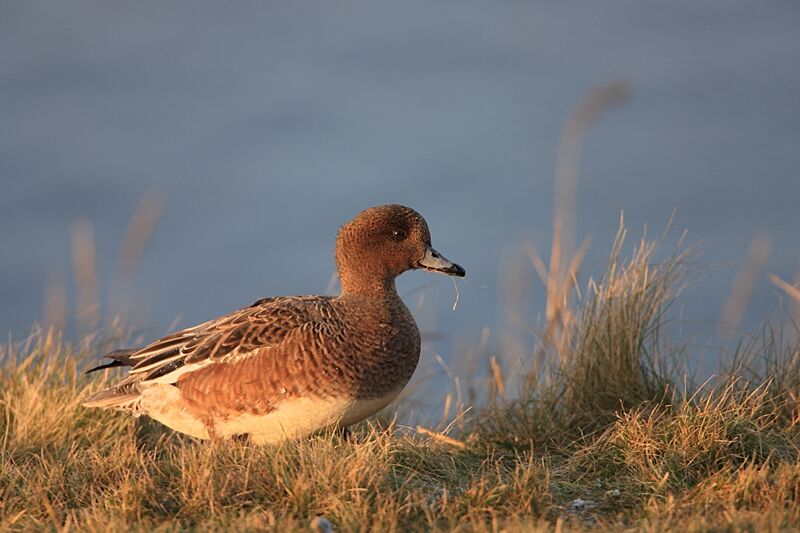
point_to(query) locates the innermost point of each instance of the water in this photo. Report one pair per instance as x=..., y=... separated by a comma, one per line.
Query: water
x=265, y=125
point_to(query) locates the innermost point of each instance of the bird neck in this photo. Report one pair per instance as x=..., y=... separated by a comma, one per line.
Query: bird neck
x=367, y=284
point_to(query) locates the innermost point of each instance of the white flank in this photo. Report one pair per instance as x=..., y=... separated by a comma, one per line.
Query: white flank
x=293, y=417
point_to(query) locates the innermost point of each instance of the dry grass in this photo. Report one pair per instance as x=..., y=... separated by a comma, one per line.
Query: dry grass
x=600, y=421
x=608, y=355
x=63, y=466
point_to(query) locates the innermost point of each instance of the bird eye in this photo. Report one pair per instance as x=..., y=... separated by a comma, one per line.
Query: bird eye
x=398, y=234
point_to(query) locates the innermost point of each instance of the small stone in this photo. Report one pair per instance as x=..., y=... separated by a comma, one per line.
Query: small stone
x=320, y=524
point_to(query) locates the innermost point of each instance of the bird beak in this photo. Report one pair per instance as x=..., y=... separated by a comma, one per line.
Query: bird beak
x=436, y=262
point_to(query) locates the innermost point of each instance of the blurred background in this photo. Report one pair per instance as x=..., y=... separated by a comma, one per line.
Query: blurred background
x=172, y=161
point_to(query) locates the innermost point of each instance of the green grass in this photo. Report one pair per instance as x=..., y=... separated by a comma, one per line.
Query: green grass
x=602, y=414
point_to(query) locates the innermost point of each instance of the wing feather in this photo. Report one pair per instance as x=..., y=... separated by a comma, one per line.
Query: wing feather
x=264, y=324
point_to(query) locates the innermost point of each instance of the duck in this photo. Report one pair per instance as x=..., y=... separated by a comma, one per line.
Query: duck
x=289, y=366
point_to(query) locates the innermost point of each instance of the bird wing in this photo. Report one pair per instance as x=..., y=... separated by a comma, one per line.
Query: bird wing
x=238, y=335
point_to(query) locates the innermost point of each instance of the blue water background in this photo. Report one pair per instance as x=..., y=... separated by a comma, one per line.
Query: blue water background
x=265, y=125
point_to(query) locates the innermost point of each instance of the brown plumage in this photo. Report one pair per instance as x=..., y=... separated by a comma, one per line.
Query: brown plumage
x=287, y=366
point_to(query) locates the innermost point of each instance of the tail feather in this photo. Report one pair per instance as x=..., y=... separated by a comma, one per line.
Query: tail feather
x=119, y=358
x=122, y=397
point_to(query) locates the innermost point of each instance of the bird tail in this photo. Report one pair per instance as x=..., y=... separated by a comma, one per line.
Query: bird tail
x=125, y=395
x=118, y=357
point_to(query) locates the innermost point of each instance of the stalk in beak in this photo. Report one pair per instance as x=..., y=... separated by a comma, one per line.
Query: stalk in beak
x=436, y=262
